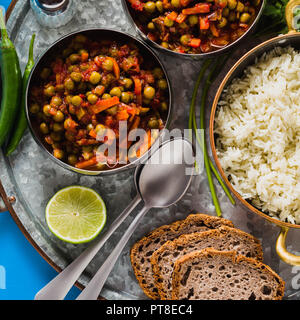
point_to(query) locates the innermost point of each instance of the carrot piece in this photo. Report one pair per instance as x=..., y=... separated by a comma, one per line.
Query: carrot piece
x=195, y=43
x=87, y=163
x=138, y=90
x=172, y=16
x=116, y=67
x=181, y=18
x=93, y=134
x=200, y=8
x=204, y=23
x=146, y=144
x=134, y=126
x=103, y=104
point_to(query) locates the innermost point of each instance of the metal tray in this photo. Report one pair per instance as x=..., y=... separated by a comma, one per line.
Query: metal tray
x=28, y=179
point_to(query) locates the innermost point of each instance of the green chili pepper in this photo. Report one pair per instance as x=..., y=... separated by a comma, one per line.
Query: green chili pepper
x=21, y=122
x=11, y=82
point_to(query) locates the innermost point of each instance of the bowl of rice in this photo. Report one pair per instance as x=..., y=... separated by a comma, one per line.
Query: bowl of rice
x=255, y=133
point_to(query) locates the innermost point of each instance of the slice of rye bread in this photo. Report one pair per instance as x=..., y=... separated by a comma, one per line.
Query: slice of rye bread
x=142, y=250
x=223, y=238
x=224, y=275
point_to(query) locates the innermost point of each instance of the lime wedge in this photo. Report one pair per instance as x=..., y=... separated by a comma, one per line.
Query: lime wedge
x=76, y=214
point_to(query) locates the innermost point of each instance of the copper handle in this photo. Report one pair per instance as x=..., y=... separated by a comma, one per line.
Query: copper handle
x=289, y=14
x=282, y=252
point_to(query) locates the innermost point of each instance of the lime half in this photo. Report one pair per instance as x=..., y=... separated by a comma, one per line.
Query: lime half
x=76, y=214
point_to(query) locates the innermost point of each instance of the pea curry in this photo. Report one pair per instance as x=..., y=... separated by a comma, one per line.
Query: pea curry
x=188, y=26
x=89, y=88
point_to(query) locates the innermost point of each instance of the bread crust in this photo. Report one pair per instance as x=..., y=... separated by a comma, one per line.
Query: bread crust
x=204, y=221
x=236, y=259
x=185, y=240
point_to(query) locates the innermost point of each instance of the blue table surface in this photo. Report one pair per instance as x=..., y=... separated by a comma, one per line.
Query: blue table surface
x=23, y=272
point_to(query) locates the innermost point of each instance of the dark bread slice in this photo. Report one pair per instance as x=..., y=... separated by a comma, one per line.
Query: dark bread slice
x=224, y=275
x=223, y=238
x=142, y=250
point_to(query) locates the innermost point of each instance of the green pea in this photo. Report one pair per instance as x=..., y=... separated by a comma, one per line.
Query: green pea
x=34, y=108
x=153, y=123
x=245, y=17
x=44, y=128
x=150, y=6
x=66, y=52
x=49, y=91
x=69, y=99
x=108, y=65
x=76, y=101
x=59, y=116
x=72, y=159
x=74, y=58
x=46, y=110
x=232, y=4
x=158, y=73
x=151, y=26
x=69, y=84
x=116, y=91
x=56, y=101
x=95, y=77
x=106, y=96
x=185, y=39
x=99, y=90
x=55, y=136
x=162, y=84
x=92, y=98
x=193, y=20
x=168, y=22
x=58, y=127
x=127, y=83
x=89, y=127
x=164, y=106
x=149, y=92
x=165, y=45
x=126, y=97
x=159, y=6
x=175, y=3
x=45, y=73
x=76, y=76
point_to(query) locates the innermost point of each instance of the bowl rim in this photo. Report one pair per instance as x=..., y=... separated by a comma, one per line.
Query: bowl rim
x=193, y=55
x=114, y=170
x=211, y=130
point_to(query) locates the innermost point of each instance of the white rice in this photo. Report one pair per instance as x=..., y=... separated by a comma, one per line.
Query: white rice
x=258, y=127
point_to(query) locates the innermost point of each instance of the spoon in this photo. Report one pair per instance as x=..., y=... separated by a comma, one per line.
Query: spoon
x=59, y=287
x=161, y=182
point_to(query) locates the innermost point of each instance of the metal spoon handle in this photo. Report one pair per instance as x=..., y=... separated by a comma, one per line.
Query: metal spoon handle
x=58, y=288
x=93, y=289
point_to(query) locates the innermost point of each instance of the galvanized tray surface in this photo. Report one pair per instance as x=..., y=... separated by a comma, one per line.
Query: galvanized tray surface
x=33, y=179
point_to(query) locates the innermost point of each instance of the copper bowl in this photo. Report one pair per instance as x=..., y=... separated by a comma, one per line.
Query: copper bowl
x=292, y=39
